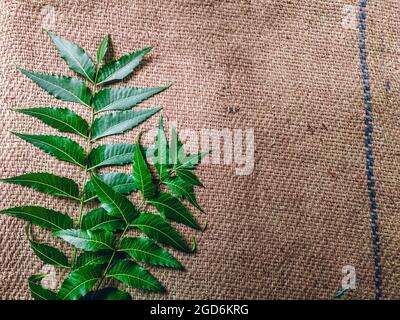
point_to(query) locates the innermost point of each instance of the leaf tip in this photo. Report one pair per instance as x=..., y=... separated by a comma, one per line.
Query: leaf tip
x=194, y=245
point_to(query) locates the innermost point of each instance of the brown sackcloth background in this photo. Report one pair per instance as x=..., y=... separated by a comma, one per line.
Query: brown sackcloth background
x=290, y=70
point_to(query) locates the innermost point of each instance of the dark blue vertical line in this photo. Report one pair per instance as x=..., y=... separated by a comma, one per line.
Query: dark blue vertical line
x=369, y=158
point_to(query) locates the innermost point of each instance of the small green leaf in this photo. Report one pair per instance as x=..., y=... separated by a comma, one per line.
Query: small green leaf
x=134, y=276
x=110, y=155
x=194, y=244
x=61, y=87
x=171, y=208
x=46, y=253
x=88, y=240
x=47, y=183
x=99, y=219
x=49, y=254
x=102, y=50
x=141, y=174
x=161, y=152
x=147, y=251
x=191, y=161
x=80, y=282
x=64, y=120
x=108, y=294
x=119, y=122
x=113, y=202
x=60, y=147
x=93, y=258
x=182, y=189
x=120, y=182
x=189, y=177
x=121, y=68
x=122, y=98
x=156, y=228
x=75, y=57
x=40, y=216
x=37, y=291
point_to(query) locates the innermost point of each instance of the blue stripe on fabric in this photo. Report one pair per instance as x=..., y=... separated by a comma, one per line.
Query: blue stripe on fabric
x=369, y=155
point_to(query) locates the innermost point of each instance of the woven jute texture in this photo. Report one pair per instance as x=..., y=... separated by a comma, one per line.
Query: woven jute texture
x=289, y=70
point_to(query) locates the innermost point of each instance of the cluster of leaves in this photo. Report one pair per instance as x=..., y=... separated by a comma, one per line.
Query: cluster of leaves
x=103, y=250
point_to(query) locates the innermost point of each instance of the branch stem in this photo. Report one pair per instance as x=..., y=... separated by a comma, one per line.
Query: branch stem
x=86, y=172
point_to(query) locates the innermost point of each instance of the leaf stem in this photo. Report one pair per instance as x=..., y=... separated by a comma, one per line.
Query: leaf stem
x=142, y=203
x=111, y=259
x=86, y=172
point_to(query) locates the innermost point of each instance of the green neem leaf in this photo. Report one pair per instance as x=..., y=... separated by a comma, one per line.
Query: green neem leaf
x=47, y=183
x=61, y=87
x=62, y=119
x=134, y=276
x=37, y=291
x=147, y=251
x=80, y=282
x=189, y=177
x=102, y=50
x=156, y=228
x=88, y=240
x=49, y=254
x=141, y=174
x=171, y=208
x=123, y=98
x=110, y=155
x=161, y=152
x=113, y=202
x=121, y=68
x=194, y=244
x=120, y=182
x=60, y=147
x=119, y=122
x=46, y=253
x=40, y=216
x=75, y=57
x=99, y=219
x=93, y=258
x=108, y=293
x=182, y=189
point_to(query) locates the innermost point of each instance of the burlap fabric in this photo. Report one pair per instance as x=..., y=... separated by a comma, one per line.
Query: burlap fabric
x=288, y=69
